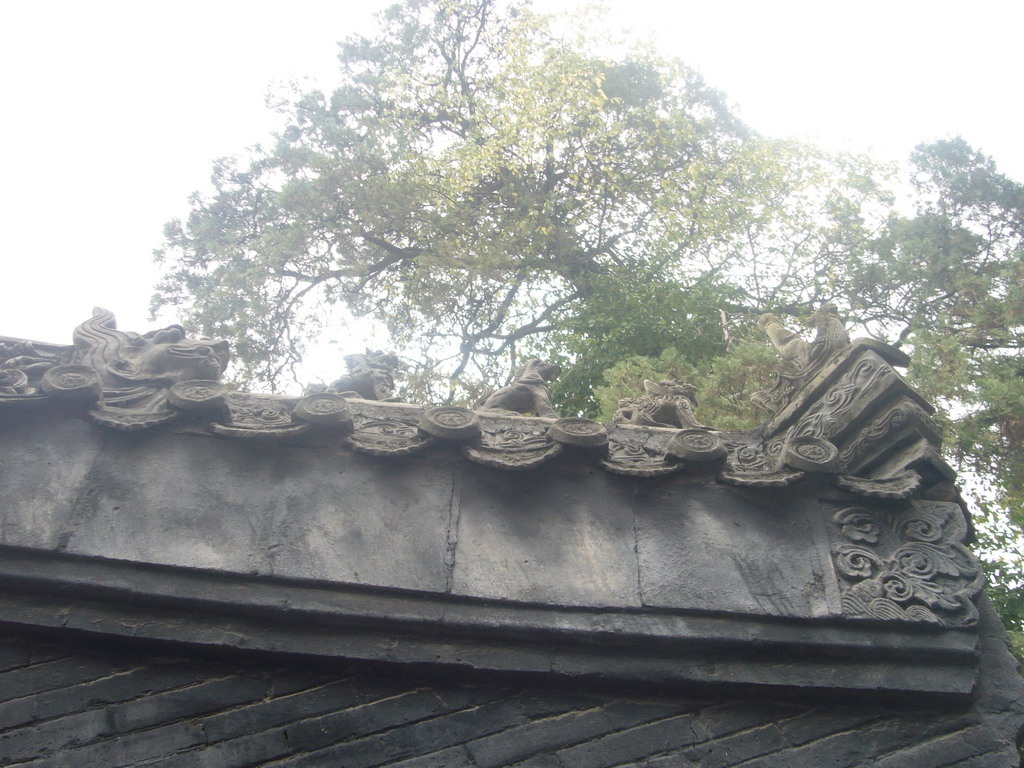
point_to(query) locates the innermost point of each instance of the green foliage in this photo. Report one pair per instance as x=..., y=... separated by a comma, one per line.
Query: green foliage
x=958, y=303
x=1017, y=645
x=724, y=384
x=635, y=315
x=480, y=183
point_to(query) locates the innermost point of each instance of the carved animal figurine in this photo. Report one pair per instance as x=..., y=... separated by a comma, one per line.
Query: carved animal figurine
x=528, y=392
x=800, y=359
x=668, y=403
x=370, y=375
x=137, y=371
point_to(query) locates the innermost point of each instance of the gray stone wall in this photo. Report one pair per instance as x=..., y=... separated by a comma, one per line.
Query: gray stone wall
x=81, y=702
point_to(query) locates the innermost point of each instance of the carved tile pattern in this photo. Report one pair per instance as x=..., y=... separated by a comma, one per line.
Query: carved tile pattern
x=21, y=367
x=253, y=412
x=513, y=447
x=637, y=459
x=868, y=376
x=900, y=486
x=880, y=430
x=751, y=464
x=747, y=457
x=387, y=437
x=906, y=564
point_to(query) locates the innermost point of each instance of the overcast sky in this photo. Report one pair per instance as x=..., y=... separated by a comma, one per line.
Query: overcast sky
x=113, y=111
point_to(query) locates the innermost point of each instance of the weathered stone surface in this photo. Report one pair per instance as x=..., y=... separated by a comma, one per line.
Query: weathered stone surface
x=572, y=536
x=198, y=502
x=43, y=479
x=567, y=539
x=713, y=549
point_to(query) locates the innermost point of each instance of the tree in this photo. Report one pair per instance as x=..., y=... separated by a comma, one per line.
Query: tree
x=958, y=305
x=489, y=189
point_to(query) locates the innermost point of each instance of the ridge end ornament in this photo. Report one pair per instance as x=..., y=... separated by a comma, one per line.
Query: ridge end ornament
x=450, y=422
x=668, y=403
x=579, y=432
x=800, y=359
x=370, y=376
x=126, y=376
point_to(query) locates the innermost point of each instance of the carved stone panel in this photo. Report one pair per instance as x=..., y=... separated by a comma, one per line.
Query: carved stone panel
x=856, y=393
x=752, y=464
x=379, y=435
x=888, y=430
x=715, y=548
x=905, y=563
x=565, y=537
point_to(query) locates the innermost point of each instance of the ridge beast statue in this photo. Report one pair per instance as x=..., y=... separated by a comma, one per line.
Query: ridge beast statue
x=667, y=403
x=127, y=375
x=371, y=376
x=528, y=392
x=800, y=359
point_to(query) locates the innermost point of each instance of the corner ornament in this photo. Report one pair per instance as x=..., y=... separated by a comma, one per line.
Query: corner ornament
x=906, y=564
x=124, y=379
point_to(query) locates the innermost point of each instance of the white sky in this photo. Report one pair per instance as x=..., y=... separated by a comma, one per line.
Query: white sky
x=113, y=111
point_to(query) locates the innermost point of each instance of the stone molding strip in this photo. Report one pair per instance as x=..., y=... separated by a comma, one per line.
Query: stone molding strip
x=663, y=647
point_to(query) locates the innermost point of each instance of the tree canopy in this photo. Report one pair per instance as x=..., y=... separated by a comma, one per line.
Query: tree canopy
x=488, y=188
x=491, y=186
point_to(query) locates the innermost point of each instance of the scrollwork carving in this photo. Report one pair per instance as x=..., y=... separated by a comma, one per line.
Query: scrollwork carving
x=636, y=455
x=906, y=564
x=748, y=464
x=868, y=377
x=263, y=418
